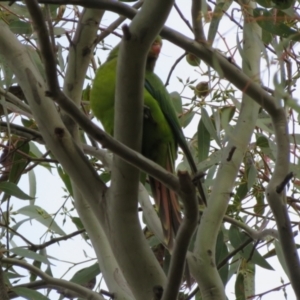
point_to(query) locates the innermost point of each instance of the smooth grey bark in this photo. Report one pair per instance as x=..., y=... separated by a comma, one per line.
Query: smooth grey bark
x=141, y=269
x=210, y=283
x=80, y=54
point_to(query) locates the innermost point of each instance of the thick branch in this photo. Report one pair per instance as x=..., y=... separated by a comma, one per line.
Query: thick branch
x=277, y=200
x=141, y=271
x=210, y=283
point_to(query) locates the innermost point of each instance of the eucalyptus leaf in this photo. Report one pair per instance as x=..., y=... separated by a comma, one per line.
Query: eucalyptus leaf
x=11, y=189
x=265, y=20
x=29, y=293
x=209, y=125
x=23, y=252
x=39, y=214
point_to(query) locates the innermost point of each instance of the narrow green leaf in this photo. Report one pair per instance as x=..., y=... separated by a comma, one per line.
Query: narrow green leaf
x=11, y=275
x=216, y=119
x=20, y=27
x=209, y=125
x=234, y=265
x=36, y=59
x=105, y=176
x=221, y=253
x=29, y=294
x=39, y=214
x=259, y=207
x=12, y=189
x=203, y=141
x=19, y=163
x=177, y=102
x=80, y=226
x=244, y=286
x=213, y=159
x=251, y=176
x=186, y=118
x=249, y=279
x=37, y=264
x=216, y=18
x=267, y=37
x=29, y=254
x=265, y=20
x=265, y=124
x=66, y=179
x=28, y=123
x=262, y=142
x=237, y=238
x=265, y=3
x=240, y=287
x=17, y=9
x=267, y=146
x=281, y=258
x=85, y=275
x=240, y=194
x=34, y=150
x=227, y=114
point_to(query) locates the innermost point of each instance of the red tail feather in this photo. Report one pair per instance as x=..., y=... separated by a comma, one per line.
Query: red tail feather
x=168, y=208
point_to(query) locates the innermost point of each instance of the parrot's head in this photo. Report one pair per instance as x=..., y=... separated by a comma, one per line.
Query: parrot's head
x=154, y=53
x=155, y=48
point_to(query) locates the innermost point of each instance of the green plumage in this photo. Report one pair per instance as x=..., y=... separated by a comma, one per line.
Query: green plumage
x=157, y=134
x=161, y=130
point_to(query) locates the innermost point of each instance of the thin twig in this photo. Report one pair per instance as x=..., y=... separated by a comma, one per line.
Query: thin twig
x=34, y=247
x=177, y=61
x=183, y=17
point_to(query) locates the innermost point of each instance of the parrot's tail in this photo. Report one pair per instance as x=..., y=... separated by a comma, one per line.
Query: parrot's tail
x=168, y=209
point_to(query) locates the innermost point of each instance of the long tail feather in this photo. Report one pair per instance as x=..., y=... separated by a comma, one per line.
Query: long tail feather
x=168, y=208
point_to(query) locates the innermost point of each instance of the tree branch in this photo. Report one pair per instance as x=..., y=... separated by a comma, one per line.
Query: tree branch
x=81, y=51
x=3, y=287
x=208, y=278
x=142, y=271
x=277, y=200
x=210, y=56
x=47, y=118
x=184, y=235
x=82, y=291
x=197, y=21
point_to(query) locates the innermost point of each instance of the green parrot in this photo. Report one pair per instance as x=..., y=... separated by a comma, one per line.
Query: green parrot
x=161, y=130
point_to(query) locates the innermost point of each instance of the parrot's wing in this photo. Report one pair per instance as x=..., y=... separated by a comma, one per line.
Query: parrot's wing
x=156, y=88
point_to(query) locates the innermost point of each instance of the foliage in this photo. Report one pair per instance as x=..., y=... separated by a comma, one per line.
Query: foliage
x=235, y=142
